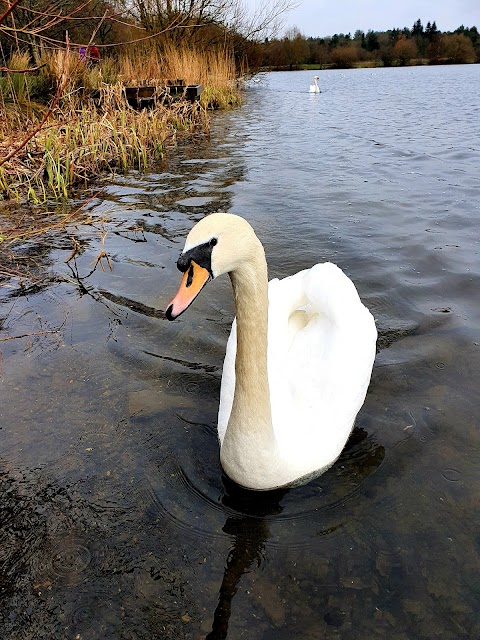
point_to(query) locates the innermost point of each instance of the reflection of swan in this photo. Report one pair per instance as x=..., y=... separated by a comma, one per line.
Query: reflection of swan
x=249, y=535
x=254, y=514
x=314, y=88
x=286, y=412
x=250, y=531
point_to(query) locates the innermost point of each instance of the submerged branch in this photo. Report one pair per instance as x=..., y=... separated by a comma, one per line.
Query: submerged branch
x=29, y=335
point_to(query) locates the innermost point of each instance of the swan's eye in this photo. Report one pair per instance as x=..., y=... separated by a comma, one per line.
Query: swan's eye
x=213, y=242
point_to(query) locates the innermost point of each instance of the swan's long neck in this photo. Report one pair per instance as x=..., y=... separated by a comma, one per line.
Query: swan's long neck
x=250, y=288
x=249, y=446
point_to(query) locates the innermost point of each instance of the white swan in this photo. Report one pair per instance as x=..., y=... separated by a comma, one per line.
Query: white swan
x=314, y=88
x=298, y=360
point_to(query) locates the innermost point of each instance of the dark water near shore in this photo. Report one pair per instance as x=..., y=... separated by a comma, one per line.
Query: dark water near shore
x=115, y=519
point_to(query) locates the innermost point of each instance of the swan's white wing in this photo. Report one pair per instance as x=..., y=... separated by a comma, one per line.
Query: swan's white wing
x=321, y=348
x=321, y=353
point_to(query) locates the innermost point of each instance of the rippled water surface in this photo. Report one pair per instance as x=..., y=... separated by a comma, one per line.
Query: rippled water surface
x=115, y=518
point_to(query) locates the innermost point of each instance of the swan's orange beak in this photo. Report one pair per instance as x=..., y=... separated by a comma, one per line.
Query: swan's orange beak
x=193, y=281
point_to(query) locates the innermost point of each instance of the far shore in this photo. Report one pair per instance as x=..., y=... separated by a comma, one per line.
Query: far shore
x=367, y=64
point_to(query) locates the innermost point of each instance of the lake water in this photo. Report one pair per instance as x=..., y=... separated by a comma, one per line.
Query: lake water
x=115, y=519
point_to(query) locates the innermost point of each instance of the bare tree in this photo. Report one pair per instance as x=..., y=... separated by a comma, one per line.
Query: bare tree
x=232, y=16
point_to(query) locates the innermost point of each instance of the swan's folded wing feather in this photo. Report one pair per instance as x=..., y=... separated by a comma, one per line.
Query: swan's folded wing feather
x=320, y=374
x=321, y=348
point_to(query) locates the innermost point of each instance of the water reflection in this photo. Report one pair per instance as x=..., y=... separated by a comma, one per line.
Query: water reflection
x=256, y=512
x=249, y=531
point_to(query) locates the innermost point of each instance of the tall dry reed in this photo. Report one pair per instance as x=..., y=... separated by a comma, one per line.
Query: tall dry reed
x=85, y=141
x=213, y=69
x=87, y=135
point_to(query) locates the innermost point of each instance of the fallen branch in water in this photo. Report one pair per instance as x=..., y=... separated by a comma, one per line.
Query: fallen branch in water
x=34, y=333
x=11, y=235
x=29, y=335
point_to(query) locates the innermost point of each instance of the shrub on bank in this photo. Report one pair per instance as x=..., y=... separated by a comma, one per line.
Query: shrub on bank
x=85, y=136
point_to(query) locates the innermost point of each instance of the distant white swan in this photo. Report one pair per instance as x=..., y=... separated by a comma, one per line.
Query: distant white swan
x=314, y=88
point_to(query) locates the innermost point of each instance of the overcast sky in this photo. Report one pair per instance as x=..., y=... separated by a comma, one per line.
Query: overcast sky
x=326, y=17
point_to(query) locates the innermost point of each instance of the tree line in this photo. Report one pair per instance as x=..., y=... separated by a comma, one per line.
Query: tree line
x=141, y=25
x=33, y=25
x=388, y=48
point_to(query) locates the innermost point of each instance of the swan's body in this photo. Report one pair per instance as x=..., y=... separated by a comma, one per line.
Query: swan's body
x=314, y=88
x=298, y=360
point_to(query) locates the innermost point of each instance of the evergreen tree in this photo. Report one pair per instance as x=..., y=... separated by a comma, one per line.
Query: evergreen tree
x=431, y=30
x=372, y=43
x=417, y=29
x=393, y=35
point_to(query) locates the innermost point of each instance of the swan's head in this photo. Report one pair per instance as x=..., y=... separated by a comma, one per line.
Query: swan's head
x=218, y=244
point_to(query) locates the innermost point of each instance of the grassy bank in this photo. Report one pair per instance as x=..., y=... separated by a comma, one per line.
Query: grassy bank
x=85, y=136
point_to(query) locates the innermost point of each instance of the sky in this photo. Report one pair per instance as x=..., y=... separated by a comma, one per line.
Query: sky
x=326, y=17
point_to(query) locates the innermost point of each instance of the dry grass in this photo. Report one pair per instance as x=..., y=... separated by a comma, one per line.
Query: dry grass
x=80, y=144
x=212, y=69
x=85, y=137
